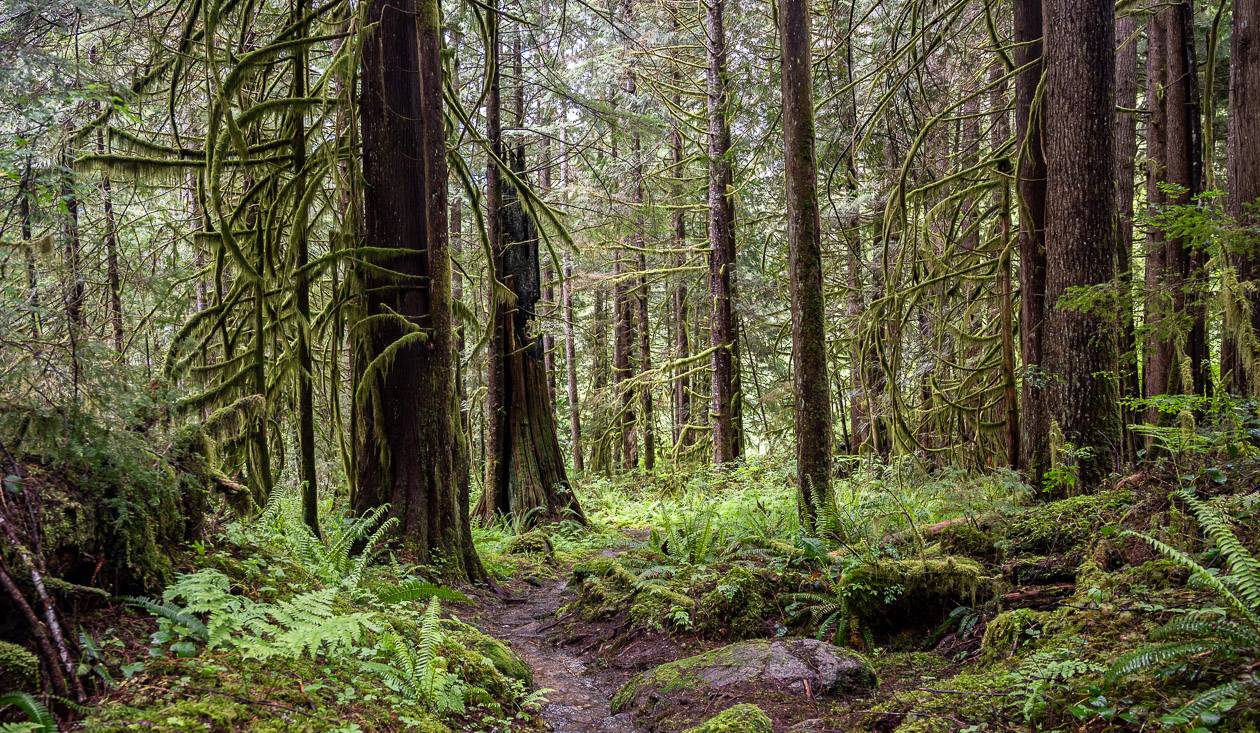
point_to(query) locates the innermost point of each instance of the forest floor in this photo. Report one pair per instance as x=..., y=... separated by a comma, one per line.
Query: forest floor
x=528, y=614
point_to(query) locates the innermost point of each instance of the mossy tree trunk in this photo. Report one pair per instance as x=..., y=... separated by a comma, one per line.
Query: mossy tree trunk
x=809, y=349
x=408, y=442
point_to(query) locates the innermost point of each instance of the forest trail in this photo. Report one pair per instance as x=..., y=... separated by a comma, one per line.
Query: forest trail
x=578, y=697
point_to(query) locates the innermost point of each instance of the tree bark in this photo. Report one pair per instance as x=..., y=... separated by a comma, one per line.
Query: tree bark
x=1080, y=342
x=1241, y=342
x=722, y=332
x=408, y=441
x=809, y=348
x=1031, y=185
x=1126, y=153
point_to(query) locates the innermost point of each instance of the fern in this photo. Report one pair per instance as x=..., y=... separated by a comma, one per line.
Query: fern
x=1204, y=636
x=415, y=670
x=38, y=719
x=415, y=590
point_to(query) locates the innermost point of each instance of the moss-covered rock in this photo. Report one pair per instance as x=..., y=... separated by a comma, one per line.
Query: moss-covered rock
x=737, y=606
x=742, y=718
x=891, y=595
x=503, y=663
x=660, y=608
x=1008, y=632
x=534, y=542
x=746, y=670
x=19, y=669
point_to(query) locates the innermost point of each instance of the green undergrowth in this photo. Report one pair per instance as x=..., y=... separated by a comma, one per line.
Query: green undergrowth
x=280, y=630
x=983, y=605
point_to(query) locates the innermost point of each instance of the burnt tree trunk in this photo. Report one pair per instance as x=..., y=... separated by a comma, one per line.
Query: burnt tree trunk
x=529, y=481
x=1080, y=342
x=408, y=442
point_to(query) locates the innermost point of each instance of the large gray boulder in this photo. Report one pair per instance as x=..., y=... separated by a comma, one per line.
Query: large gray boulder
x=681, y=691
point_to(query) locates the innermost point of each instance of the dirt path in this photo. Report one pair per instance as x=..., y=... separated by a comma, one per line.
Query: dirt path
x=578, y=697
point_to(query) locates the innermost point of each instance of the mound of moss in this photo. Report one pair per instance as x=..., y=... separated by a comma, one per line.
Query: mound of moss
x=891, y=595
x=742, y=718
x=1064, y=525
x=737, y=606
x=968, y=540
x=534, y=542
x=19, y=669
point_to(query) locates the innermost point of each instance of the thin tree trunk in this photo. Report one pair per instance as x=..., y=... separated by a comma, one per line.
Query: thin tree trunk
x=113, y=279
x=1006, y=303
x=570, y=366
x=28, y=249
x=302, y=301
x=1126, y=153
x=809, y=349
x=1031, y=185
x=721, y=244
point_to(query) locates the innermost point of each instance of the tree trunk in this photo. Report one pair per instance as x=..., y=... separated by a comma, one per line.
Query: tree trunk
x=302, y=300
x=1010, y=392
x=530, y=478
x=1126, y=152
x=809, y=348
x=408, y=439
x=1241, y=342
x=570, y=366
x=1080, y=342
x=721, y=244
x=1031, y=185
x=25, y=195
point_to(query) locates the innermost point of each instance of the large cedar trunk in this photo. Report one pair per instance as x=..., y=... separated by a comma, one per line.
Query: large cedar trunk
x=408, y=442
x=1080, y=342
x=722, y=332
x=809, y=350
x=1241, y=344
x=1031, y=187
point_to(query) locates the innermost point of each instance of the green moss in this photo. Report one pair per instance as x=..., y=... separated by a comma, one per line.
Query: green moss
x=657, y=607
x=737, y=607
x=492, y=664
x=968, y=540
x=1010, y=631
x=533, y=542
x=742, y=718
x=1060, y=526
x=893, y=594
x=19, y=669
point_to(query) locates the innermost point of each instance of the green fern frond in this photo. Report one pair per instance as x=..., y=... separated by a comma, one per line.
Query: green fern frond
x=38, y=718
x=1159, y=657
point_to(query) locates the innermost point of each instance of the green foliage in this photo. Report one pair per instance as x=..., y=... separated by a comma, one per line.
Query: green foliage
x=742, y=718
x=38, y=719
x=19, y=669
x=1204, y=639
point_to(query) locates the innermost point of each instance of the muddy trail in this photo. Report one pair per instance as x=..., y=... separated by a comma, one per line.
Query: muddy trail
x=526, y=615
